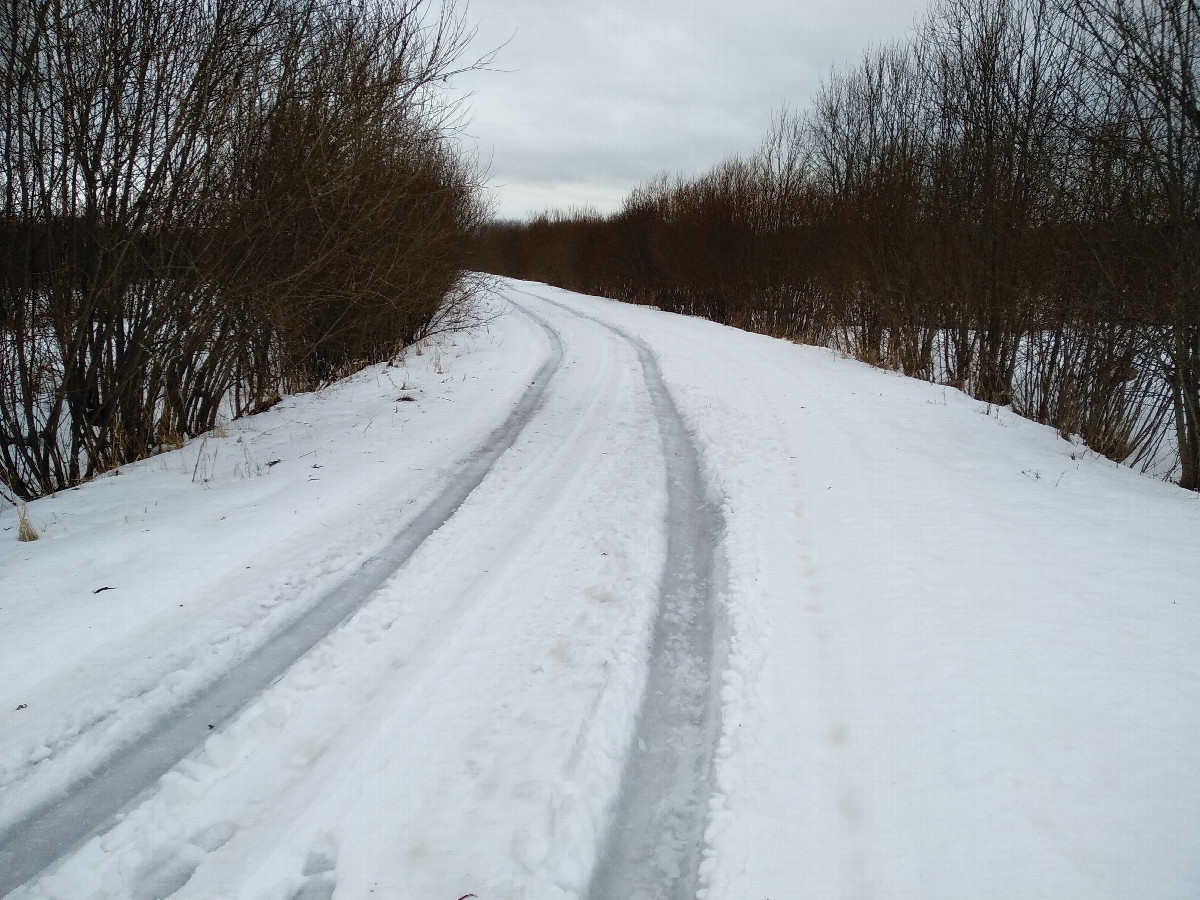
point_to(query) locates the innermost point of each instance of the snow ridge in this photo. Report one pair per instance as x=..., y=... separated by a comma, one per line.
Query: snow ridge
x=44, y=831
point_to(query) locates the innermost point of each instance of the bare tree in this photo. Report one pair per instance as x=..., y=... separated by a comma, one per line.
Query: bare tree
x=207, y=201
x=1142, y=111
x=1009, y=202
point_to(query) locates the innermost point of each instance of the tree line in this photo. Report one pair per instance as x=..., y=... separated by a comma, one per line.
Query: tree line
x=204, y=203
x=1008, y=202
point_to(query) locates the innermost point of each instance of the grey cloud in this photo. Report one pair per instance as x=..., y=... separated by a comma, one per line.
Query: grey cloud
x=599, y=97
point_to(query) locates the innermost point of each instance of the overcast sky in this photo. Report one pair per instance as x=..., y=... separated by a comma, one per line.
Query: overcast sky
x=589, y=99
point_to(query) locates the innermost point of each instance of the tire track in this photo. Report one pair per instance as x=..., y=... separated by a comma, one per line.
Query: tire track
x=51, y=830
x=654, y=844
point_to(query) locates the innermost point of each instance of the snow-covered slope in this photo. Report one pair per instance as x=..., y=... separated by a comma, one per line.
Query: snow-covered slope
x=955, y=654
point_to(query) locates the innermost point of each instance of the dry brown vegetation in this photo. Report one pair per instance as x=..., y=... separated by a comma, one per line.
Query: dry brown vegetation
x=208, y=202
x=1009, y=202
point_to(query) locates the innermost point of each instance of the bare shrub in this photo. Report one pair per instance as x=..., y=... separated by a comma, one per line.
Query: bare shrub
x=1008, y=203
x=208, y=203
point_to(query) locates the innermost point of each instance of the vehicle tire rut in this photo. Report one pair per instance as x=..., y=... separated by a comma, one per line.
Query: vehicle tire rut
x=51, y=830
x=654, y=845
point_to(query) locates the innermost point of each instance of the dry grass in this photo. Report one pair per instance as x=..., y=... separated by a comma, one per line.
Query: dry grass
x=25, y=530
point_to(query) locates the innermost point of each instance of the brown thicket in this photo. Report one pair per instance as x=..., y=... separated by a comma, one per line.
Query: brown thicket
x=208, y=202
x=1009, y=202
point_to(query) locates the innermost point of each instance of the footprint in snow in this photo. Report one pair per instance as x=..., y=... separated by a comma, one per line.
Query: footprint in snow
x=320, y=874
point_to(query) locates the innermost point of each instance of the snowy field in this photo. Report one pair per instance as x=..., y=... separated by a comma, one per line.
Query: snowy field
x=949, y=654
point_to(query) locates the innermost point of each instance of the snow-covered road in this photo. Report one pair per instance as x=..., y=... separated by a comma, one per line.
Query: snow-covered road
x=84, y=802
x=638, y=606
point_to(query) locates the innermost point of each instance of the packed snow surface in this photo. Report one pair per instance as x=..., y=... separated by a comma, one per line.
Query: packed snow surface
x=955, y=654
